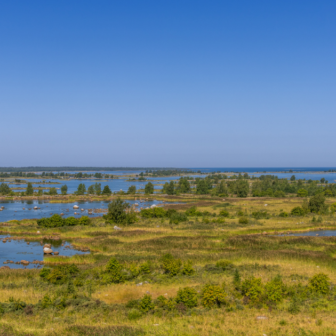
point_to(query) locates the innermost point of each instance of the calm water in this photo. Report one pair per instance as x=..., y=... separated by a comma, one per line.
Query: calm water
x=24, y=209
x=18, y=250
x=322, y=233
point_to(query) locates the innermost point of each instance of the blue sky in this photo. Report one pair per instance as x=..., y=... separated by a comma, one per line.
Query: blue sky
x=168, y=83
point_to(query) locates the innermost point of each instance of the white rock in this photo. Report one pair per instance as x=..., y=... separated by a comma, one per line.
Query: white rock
x=116, y=227
x=76, y=207
x=47, y=250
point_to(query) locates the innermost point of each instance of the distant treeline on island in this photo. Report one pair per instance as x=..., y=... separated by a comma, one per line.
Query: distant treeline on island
x=54, y=169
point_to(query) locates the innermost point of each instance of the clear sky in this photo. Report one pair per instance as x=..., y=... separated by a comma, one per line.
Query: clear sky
x=168, y=83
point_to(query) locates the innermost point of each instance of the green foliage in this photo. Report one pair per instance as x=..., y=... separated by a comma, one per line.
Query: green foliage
x=236, y=280
x=317, y=203
x=294, y=306
x=61, y=274
x=119, y=212
x=260, y=214
x=242, y=188
x=170, y=265
x=149, y=188
x=213, y=295
x=70, y=221
x=224, y=264
x=252, y=288
x=156, y=212
x=107, y=191
x=302, y=193
x=187, y=268
x=169, y=188
x=224, y=213
x=29, y=190
x=131, y=190
x=45, y=272
x=183, y=186
x=114, y=272
x=193, y=210
x=134, y=269
x=81, y=189
x=4, y=189
x=58, y=221
x=145, y=268
x=319, y=284
x=134, y=314
x=274, y=290
x=84, y=220
x=297, y=211
x=243, y=220
x=146, y=304
x=52, y=191
x=64, y=189
x=178, y=217
x=188, y=296
x=283, y=214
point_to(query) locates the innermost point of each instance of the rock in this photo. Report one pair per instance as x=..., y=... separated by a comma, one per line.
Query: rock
x=24, y=262
x=56, y=253
x=139, y=284
x=38, y=232
x=116, y=227
x=261, y=317
x=47, y=250
x=5, y=262
x=47, y=246
x=4, y=267
x=35, y=207
x=76, y=207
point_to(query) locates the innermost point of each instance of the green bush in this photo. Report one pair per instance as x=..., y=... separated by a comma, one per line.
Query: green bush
x=252, y=288
x=61, y=274
x=45, y=272
x=156, y=212
x=171, y=265
x=213, y=295
x=187, y=268
x=317, y=203
x=146, y=303
x=53, y=221
x=70, y=221
x=274, y=290
x=319, y=284
x=114, y=272
x=178, y=217
x=224, y=264
x=224, y=213
x=145, y=268
x=134, y=314
x=243, y=220
x=188, y=296
x=119, y=212
x=191, y=211
x=260, y=214
x=84, y=220
x=297, y=211
x=283, y=214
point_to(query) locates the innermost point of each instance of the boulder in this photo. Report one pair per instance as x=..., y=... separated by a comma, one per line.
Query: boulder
x=56, y=253
x=76, y=207
x=4, y=267
x=116, y=227
x=24, y=262
x=47, y=250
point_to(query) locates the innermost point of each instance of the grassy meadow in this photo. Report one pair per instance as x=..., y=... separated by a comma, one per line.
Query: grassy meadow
x=139, y=293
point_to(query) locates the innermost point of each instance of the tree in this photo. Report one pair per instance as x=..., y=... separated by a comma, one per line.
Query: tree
x=119, y=212
x=202, y=187
x=29, y=190
x=97, y=188
x=184, y=185
x=64, y=189
x=107, y=191
x=242, y=188
x=149, y=188
x=81, y=189
x=131, y=190
x=169, y=188
x=322, y=180
x=91, y=189
x=222, y=189
x=292, y=178
x=317, y=203
x=52, y=191
x=4, y=188
x=302, y=193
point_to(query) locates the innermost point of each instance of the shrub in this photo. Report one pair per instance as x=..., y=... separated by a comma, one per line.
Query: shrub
x=53, y=221
x=46, y=301
x=213, y=295
x=224, y=213
x=260, y=214
x=274, y=290
x=156, y=212
x=114, y=272
x=294, y=306
x=135, y=271
x=44, y=272
x=302, y=193
x=243, y=220
x=178, y=217
x=297, y=211
x=236, y=280
x=279, y=193
x=84, y=220
x=252, y=288
x=319, y=283
x=191, y=211
x=188, y=296
x=224, y=264
x=187, y=268
x=165, y=303
x=62, y=274
x=134, y=314
x=283, y=214
x=171, y=265
x=145, y=268
x=316, y=203
x=70, y=221
x=146, y=303
x=118, y=212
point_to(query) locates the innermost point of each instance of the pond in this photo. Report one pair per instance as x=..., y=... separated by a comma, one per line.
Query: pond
x=17, y=210
x=16, y=250
x=322, y=233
